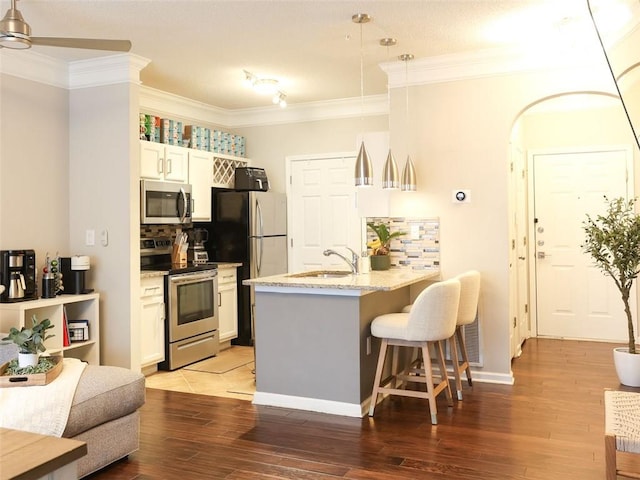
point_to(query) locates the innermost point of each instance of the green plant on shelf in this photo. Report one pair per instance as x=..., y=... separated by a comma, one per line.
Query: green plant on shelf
x=30, y=339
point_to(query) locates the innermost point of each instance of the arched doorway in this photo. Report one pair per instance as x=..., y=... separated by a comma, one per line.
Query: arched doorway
x=574, y=129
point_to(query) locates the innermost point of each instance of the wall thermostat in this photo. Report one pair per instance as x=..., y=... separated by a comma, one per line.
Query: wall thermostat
x=461, y=196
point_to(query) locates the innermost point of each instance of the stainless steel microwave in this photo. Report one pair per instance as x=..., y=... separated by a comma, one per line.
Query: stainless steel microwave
x=165, y=202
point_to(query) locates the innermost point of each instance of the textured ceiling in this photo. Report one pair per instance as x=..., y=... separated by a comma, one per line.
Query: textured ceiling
x=198, y=49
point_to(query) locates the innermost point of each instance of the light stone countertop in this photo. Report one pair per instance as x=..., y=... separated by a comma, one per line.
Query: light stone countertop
x=153, y=273
x=375, y=280
x=222, y=265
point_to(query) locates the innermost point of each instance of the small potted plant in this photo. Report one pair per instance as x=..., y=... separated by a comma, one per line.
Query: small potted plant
x=30, y=341
x=613, y=241
x=380, y=260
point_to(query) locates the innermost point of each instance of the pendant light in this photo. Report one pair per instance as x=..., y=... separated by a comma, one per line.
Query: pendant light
x=364, y=169
x=408, y=183
x=390, y=175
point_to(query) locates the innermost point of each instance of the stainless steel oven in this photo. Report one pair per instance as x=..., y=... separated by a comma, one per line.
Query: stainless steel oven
x=192, y=317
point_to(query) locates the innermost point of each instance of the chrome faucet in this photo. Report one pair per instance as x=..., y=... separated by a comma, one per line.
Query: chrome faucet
x=353, y=263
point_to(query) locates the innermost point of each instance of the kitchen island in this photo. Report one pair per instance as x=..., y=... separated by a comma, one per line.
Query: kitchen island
x=313, y=344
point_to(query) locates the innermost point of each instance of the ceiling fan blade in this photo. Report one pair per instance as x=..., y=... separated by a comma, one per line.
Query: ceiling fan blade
x=88, y=43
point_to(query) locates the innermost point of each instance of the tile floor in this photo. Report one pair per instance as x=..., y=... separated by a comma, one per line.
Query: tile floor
x=236, y=383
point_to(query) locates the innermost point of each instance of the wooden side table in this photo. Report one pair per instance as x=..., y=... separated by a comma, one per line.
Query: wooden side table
x=31, y=456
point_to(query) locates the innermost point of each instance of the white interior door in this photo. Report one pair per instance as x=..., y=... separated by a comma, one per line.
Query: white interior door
x=519, y=271
x=574, y=299
x=322, y=211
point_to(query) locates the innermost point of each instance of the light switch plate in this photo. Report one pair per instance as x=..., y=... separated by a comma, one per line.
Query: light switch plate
x=90, y=238
x=461, y=196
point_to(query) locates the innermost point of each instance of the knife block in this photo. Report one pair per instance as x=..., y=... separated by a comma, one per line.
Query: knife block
x=178, y=257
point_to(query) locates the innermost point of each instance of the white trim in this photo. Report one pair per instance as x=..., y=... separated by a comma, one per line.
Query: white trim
x=483, y=63
x=30, y=65
x=113, y=69
x=309, y=404
x=444, y=68
x=492, y=377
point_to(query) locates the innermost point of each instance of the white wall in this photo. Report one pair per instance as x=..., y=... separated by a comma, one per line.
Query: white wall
x=269, y=145
x=34, y=166
x=104, y=174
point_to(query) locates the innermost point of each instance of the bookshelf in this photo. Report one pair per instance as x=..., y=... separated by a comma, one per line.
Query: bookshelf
x=78, y=307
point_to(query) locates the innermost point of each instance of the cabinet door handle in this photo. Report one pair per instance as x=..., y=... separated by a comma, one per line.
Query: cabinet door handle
x=219, y=299
x=160, y=165
x=168, y=165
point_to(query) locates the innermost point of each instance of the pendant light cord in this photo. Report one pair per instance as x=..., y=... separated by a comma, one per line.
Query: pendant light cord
x=406, y=100
x=361, y=83
x=613, y=75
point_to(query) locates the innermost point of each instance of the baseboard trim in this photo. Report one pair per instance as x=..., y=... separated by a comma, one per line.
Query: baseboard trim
x=309, y=404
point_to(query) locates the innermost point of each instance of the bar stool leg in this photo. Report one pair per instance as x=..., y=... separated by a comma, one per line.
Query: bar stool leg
x=376, y=381
x=443, y=372
x=455, y=358
x=465, y=358
x=426, y=358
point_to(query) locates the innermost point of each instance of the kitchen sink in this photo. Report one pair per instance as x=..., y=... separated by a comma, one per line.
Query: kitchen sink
x=321, y=274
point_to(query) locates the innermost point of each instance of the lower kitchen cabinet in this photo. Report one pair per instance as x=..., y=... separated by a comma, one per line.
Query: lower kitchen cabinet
x=227, y=303
x=82, y=308
x=151, y=320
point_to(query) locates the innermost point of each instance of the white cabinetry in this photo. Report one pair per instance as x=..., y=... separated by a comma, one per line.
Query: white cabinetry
x=201, y=180
x=77, y=307
x=151, y=320
x=227, y=303
x=164, y=162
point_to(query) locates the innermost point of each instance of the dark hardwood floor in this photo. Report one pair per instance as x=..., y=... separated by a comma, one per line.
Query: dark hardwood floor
x=549, y=425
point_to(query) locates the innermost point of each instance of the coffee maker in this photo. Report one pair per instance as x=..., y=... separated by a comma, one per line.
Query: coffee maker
x=73, y=271
x=18, y=275
x=197, y=254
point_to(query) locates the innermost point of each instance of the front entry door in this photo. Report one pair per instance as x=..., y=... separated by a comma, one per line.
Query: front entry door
x=574, y=299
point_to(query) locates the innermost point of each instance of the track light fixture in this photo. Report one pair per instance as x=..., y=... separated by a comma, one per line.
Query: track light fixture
x=265, y=86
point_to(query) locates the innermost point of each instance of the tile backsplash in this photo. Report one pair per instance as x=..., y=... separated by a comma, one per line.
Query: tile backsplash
x=419, y=249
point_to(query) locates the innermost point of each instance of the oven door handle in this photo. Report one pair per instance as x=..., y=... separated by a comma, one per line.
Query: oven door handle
x=190, y=278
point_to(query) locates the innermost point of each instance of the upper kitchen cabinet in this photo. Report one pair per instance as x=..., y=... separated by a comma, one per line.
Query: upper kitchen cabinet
x=159, y=161
x=201, y=180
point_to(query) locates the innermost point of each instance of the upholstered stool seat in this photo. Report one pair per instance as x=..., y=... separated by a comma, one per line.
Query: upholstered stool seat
x=431, y=319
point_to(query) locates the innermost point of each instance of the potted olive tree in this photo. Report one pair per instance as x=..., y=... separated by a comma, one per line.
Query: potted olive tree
x=613, y=241
x=380, y=259
x=30, y=341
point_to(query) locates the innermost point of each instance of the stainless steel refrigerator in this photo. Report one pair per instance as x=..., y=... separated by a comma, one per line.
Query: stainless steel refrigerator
x=248, y=228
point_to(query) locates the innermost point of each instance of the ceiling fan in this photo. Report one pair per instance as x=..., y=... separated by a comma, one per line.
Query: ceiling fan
x=15, y=33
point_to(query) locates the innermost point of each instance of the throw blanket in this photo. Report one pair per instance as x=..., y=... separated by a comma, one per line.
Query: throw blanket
x=42, y=409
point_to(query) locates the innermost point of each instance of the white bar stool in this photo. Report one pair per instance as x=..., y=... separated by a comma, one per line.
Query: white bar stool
x=432, y=319
x=467, y=310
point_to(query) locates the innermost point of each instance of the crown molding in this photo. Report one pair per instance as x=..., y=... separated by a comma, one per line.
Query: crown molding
x=483, y=63
x=126, y=68
x=109, y=70
x=30, y=65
